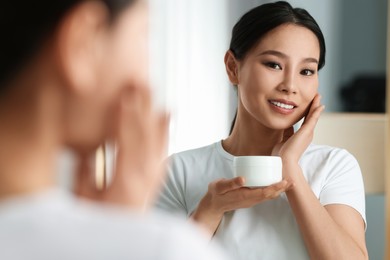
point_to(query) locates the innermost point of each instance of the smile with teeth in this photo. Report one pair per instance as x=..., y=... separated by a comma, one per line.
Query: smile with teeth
x=282, y=105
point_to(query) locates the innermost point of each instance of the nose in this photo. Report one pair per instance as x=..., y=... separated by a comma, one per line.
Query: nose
x=287, y=84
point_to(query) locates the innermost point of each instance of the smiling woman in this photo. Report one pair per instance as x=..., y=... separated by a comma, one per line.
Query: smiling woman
x=274, y=57
x=281, y=59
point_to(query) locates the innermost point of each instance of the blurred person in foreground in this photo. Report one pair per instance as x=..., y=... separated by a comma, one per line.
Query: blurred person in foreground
x=73, y=75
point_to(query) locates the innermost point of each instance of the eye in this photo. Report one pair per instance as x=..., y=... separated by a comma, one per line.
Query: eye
x=273, y=65
x=307, y=72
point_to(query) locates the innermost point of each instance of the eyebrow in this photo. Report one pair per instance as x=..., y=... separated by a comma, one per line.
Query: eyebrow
x=284, y=56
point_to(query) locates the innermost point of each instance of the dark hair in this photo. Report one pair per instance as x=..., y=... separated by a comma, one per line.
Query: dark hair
x=253, y=25
x=26, y=24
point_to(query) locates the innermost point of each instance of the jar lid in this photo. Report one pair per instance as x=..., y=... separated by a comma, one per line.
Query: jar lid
x=257, y=160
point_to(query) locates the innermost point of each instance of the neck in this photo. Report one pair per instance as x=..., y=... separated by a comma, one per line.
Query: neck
x=249, y=137
x=28, y=137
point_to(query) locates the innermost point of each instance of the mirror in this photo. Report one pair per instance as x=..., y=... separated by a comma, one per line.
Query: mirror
x=191, y=37
x=353, y=79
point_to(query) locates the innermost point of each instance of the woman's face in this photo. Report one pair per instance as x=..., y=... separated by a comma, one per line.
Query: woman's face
x=127, y=48
x=120, y=61
x=278, y=79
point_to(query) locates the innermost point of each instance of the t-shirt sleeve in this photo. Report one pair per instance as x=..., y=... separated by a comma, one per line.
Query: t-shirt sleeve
x=172, y=196
x=344, y=183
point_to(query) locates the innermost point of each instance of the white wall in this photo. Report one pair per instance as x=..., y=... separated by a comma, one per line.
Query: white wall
x=189, y=40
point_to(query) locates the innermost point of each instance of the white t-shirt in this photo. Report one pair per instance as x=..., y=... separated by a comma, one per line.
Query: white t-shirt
x=269, y=229
x=55, y=225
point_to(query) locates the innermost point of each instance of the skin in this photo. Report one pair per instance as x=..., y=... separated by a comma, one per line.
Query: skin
x=282, y=67
x=87, y=84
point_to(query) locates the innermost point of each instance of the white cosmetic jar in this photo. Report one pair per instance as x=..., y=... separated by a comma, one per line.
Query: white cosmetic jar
x=258, y=171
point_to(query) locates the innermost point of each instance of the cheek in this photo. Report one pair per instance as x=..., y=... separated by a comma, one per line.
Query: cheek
x=256, y=81
x=254, y=85
x=309, y=86
x=133, y=47
x=133, y=56
x=308, y=92
x=129, y=61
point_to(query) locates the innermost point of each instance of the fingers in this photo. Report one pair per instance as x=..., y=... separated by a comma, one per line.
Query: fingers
x=137, y=96
x=225, y=185
x=227, y=195
x=274, y=191
x=248, y=197
x=141, y=138
x=84, y=180
x=139, y=127
x=314, y=113
x=313, y=118
x=316, y=102
x=316, y=107
x=269, y=192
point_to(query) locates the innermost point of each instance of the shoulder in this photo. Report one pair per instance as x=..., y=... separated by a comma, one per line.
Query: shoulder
x=335, y=177
x=195, y=156
x=329, y=154
x=322, y=162
x=195, y=153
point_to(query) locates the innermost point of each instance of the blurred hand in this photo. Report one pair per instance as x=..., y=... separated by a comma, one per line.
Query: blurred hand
x=141, y=139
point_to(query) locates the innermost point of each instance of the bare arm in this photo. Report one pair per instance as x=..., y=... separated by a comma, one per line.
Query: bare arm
x=329, y=232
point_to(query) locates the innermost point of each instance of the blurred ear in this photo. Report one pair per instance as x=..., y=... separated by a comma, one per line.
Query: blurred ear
x=78, y=45
x=231, y=67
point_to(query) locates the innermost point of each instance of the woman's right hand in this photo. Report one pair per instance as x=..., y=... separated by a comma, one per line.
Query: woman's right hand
x=230, y=194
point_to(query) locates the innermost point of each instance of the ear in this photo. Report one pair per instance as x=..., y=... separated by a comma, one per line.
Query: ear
x=78, y=43
x=231, y=66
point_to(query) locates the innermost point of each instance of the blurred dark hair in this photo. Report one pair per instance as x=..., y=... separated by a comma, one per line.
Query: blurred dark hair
x=256, y=23
x=26, y=24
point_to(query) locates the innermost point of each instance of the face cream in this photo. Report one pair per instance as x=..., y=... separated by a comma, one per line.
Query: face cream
x=258, y=171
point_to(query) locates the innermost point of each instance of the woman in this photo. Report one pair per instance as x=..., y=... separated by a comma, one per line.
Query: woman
x=317, y=211
x=73, y=75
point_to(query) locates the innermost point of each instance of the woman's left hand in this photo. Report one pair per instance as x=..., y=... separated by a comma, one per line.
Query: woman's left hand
x=294, y=144
x=141, y=138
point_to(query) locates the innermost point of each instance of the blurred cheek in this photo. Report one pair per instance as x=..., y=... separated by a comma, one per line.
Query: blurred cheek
x=132, y=61
x=132, y=47
x=127, y=63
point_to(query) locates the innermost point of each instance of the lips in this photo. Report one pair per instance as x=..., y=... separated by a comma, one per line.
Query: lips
x=283, y=103
x=283, y=106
